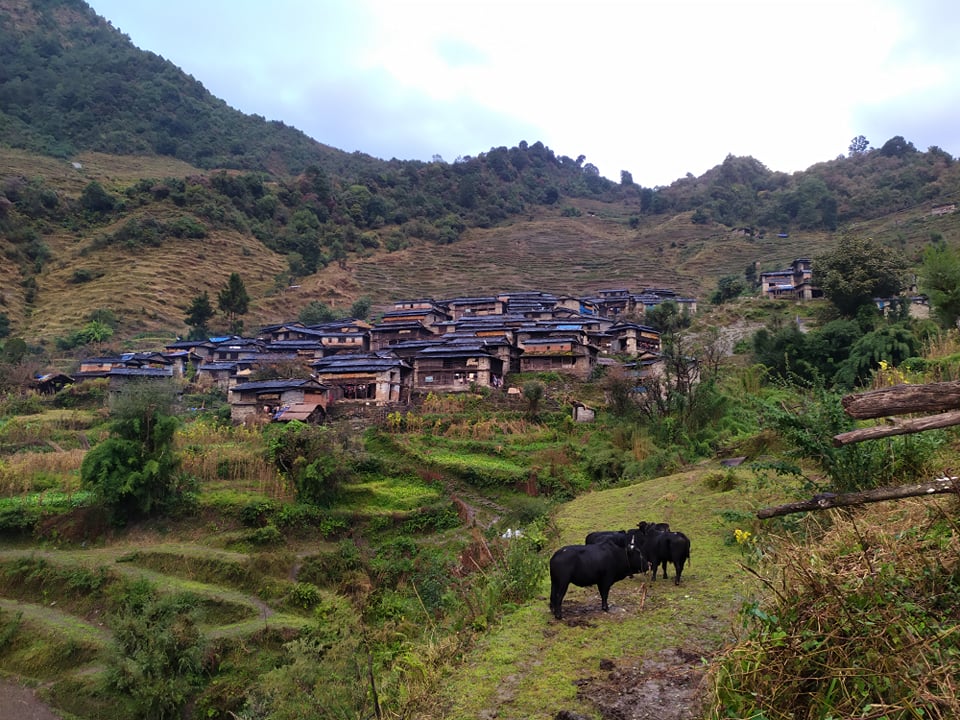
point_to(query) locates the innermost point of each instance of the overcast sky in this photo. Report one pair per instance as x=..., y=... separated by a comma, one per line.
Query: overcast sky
x=659, y=88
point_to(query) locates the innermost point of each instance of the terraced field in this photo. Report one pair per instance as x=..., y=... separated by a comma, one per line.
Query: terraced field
x=64, y=597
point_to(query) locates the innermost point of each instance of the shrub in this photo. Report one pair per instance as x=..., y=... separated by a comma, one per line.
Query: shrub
x=304, y=595
x=157, y=661
x=860, y=624
x=266, y=535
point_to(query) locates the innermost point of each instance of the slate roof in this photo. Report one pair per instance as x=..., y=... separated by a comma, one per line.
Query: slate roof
x=359, y=362
x=278, y=385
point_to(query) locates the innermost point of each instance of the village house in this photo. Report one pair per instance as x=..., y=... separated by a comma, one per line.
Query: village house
x=473, y=306
x=384, y=335
x=650, y=298
x=376, y=378
x=456, y=366
x=217, y=374
x=633, y=339
x=330, y=338
x=615, y=302
x=235, y=349
x=793, y=283
x=203, y=349
x=102, y=366
x=558, y=354
x=426, y=313
x=122, y=377
x=265, y=399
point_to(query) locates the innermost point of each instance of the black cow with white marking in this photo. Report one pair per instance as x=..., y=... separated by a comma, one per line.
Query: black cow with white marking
x=601, y=564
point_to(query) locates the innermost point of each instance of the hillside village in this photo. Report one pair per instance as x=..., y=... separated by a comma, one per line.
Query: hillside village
x=425, y=345
x=416, y=347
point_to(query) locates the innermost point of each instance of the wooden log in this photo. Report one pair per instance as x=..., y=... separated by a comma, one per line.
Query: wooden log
x=904, y=427
x=902, y=400
x=830, y=500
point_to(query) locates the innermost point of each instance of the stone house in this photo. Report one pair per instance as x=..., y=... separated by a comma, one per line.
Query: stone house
x=263, y=399
x=558, y=354
x=793, y=283
x=456, y=367
x=379, y=378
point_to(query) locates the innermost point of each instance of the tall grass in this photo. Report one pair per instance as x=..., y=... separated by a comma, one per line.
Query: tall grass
x=231, y=456
x=862, y=623
x=32, y=471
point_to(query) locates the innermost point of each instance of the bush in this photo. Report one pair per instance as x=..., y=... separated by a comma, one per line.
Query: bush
x=266, y=535
x=865, y=596
x=158, y=657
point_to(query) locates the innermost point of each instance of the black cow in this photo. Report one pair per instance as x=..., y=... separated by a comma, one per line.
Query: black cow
x=621, y=538
x=599, y=536
x=643, y=526
x=662, y=546
x=601, y=564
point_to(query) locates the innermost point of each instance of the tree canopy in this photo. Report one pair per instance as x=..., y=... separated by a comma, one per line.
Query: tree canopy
x=858, y=270
x=234, y=301
x=134, y=471
x=940, y=278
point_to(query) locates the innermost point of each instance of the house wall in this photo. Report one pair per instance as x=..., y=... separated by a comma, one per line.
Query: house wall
x=577, y=365
x=456, y=376
x=381, y=388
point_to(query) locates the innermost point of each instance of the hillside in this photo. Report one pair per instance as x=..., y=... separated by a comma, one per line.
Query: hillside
x=126, y=189
x=149, y=284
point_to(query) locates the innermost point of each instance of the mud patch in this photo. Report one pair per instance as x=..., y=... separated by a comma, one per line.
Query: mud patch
x=668, y=686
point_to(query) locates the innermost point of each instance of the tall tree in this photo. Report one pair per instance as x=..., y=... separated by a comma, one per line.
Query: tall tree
x=856, y=271
x=134, y=471
x=233, y=301
x=859, y=145
x=940, y=278
x=199, y=315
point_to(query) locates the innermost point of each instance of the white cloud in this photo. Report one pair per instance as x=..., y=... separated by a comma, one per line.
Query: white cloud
x=656, y=87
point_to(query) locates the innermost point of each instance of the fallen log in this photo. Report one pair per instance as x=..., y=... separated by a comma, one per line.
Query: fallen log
x=825, y=501
x=903, y=400
x=899, y=427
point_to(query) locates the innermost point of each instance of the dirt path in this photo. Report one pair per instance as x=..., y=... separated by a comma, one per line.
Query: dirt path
x=21, y=703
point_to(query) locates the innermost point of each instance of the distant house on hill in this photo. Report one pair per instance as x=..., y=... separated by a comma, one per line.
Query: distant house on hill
x=793, y=283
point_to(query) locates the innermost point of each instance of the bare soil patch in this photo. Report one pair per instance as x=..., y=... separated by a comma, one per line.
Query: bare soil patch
x=21, y=703
x=667, y=686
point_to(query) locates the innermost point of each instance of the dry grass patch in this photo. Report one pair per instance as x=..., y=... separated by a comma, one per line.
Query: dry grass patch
x=30, y=471
x=863, y=622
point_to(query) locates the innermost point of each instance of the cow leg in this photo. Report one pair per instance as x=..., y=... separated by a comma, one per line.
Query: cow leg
x=557, y=593
x=604, y=592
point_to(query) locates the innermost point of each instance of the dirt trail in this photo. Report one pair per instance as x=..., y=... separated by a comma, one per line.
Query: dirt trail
x=21, y=703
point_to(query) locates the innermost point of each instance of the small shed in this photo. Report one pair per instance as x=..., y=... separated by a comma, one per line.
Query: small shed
x=313, y=413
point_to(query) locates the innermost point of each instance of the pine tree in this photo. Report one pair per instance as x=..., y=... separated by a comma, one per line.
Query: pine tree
x=199, y=315
x=234, y=301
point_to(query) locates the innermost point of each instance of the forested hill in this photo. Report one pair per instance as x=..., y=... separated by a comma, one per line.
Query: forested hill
x=126, y=186
x=70, y=82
